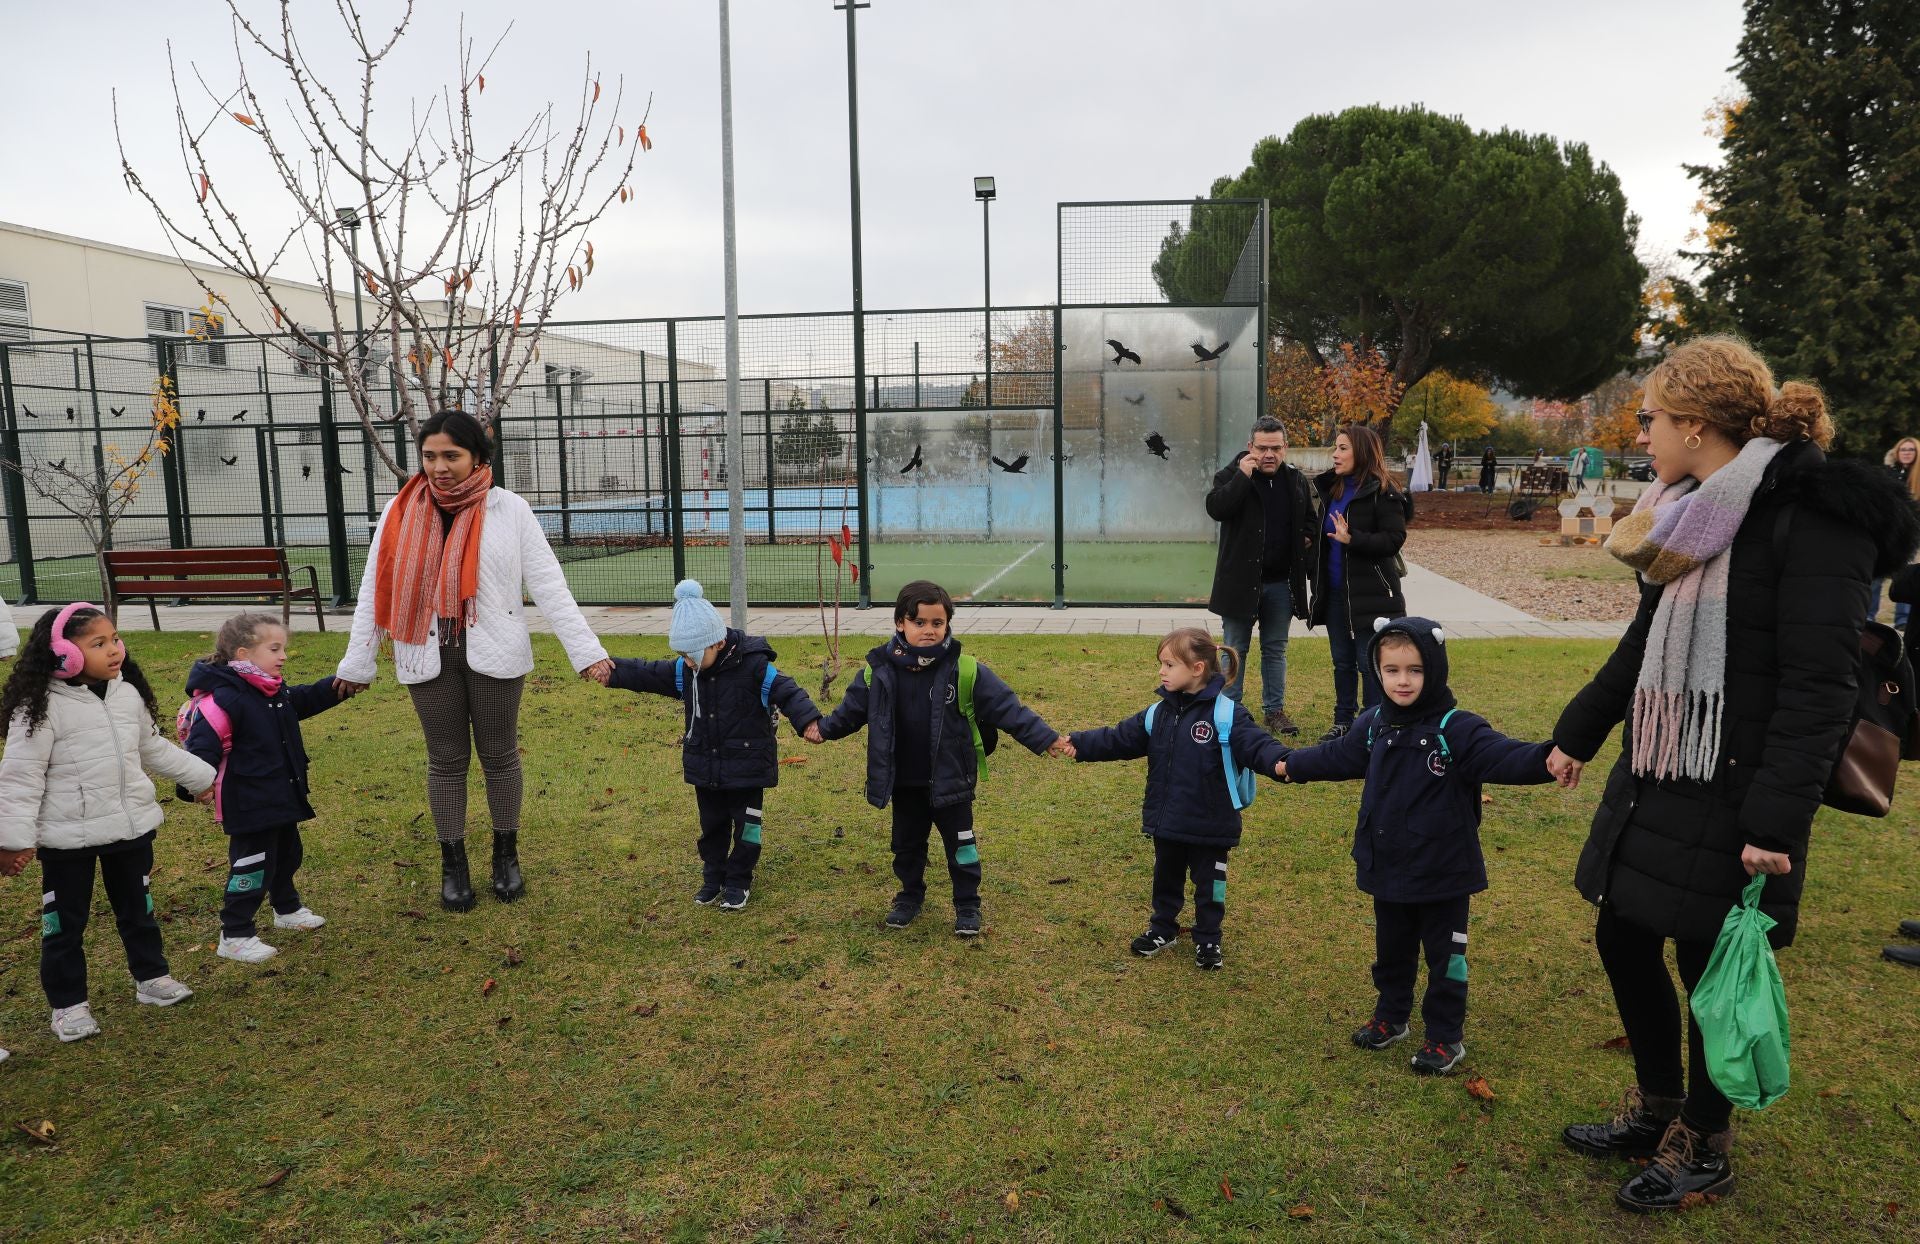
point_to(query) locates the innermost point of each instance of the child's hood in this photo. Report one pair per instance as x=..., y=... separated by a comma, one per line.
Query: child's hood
x=206, y=675
x=740, y=646
x=1435, y=696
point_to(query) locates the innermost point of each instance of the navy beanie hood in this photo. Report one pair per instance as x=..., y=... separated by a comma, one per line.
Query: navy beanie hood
x=1431, y=639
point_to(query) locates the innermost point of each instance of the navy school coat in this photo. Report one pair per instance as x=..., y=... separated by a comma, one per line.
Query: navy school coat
x=731, y=744
x=265, y=785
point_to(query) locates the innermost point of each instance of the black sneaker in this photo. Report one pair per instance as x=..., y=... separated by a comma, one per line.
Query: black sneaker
x=1688, y=1169
x=902, y=913
x=733, y=898
x=966, y=922
x=1337, y=730
x=1437, y=1058
x=1207, y=957
x=1909, y=955
x=1279, y=723
x=1910, y=928
x=1632, y=1133
x=707, y=893
x=1378, y=1034
x=1149, y=944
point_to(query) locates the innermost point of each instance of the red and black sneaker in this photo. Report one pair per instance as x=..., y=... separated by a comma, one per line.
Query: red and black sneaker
x=1377, y=1034
x=1437, y=1058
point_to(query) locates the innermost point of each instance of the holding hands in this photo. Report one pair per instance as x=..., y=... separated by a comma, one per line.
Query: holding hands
x=600, y=671
x=347, y=690
x=1565, y=769
x=1280, y=769
x=812, y=733
x=1062, y=746
x=13, y=863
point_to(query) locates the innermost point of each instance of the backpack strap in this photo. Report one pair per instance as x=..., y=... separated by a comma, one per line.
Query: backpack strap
x=680, y=677
x=1151, y=710
x=766, y=686
x=201, y=706
x=969, y=675
x=1441, y=730
x=1238, y=788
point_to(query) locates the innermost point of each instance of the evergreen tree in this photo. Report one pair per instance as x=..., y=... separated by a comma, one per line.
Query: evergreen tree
x=1812, y=244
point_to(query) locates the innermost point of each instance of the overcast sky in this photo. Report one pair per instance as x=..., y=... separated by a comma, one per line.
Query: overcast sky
x=1058, y=99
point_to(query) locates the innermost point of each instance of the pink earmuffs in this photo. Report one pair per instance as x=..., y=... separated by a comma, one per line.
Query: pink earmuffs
x=66, y=653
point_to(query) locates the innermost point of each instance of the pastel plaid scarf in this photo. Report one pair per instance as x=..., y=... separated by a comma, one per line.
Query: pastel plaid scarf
x=1680, y=535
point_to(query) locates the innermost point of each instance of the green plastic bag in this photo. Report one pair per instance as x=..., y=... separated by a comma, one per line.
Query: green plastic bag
x=1741, y=1008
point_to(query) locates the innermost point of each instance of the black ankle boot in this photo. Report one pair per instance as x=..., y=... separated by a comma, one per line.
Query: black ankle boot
x=1635, y=1132
x=1690, y=1168
x=507, y=882
x=456, y=889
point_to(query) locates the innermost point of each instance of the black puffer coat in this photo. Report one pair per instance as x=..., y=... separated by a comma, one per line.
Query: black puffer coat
x=1235, y=503
x=1666, y=854
x=1377, y=520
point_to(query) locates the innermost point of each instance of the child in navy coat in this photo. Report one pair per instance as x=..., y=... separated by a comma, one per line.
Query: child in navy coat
x=932, y=716
x=251, y=736
x=1417, y=843
x=1194, y=796
x=730, y=691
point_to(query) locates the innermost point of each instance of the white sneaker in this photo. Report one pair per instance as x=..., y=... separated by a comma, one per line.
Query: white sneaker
x=4, y=1056
x=70, y=1023
x=160, y=991
x=245, y=949
x=302, y=919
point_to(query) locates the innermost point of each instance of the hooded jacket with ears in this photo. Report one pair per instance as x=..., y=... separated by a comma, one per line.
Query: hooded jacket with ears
x=1666, y=854
x=1377, y=521
x=1418, y=835
x=956, y=770
x=79, y=780
x=265, y=785
x=1187, y=798
x=730, y=744
x=514, y=556
x=1235, y=503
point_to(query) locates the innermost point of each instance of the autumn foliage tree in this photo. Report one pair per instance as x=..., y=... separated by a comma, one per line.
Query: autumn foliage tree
x=459, y=247
x=1454, y=410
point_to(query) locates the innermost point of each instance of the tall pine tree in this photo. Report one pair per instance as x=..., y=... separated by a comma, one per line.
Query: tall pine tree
x=1813, y=218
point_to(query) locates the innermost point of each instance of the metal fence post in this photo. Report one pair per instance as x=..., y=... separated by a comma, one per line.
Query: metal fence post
x=169, y=443
x=337, y=567
x=766, y=421
x=676, y=519
x=566, y=499
x=14, y=483
x=1059, y=470
x=267, y=505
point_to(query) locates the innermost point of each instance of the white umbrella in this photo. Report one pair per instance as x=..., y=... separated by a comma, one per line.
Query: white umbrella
x=1420, y=479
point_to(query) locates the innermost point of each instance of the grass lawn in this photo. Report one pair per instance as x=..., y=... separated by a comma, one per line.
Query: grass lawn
x=605, y=1060
x=1171, y=572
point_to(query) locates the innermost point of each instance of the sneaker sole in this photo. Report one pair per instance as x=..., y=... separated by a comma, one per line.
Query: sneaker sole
x=66, y=1038
x=300, y=928
x=1148, y=954
x=892, y=923
x=144, y=1000
x=966, y=932
x=1372, y=1048
x=1719, y=1192
x=241, y=959
x=733, y=907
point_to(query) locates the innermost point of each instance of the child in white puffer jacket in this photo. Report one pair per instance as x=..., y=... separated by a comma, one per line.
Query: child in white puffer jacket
x=74, y=792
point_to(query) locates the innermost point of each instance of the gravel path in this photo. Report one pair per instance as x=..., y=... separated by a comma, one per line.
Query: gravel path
x=1580, y=583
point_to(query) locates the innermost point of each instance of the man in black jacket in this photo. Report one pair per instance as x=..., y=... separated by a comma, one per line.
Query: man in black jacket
x=1265, y=511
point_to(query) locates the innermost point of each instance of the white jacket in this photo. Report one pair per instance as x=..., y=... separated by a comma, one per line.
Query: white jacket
x=9, y=633
x=78, y=781
x=513, y=553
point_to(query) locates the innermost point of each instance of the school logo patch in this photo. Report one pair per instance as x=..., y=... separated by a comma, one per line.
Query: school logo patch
x=952, y=693
x=1203, y=732
x=1437, y=763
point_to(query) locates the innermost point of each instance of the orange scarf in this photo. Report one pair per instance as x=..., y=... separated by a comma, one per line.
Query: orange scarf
x=425, y=569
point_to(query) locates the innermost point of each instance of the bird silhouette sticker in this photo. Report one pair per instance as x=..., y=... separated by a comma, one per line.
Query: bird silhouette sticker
x=59, y=466
x=1017, y=467
x=1157, y=445
x=913, y=463
x=231, y=461
x=117, y=411
x=1122, y=354
x=28, y=411
x=199, y=416
x=1205, y=355
x=306, y=470
x=1134, y=399
x=69, y=414
x=1184, y=395
x=242, y=415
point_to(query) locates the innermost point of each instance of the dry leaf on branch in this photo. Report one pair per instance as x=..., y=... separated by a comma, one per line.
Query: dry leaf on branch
x=243, y=118
x=40, y=1131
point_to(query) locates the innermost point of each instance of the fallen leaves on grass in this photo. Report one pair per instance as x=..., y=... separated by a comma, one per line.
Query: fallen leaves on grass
x=647, y=1010
x=40, y=1132
x=1477, y=1087
x=1615, y=1043
x=1303, y=1212
x=1167, y=1205
x=276, y=1179
x=1013, y=1202
x=486, y=990
x=514, y=957
x=1226, y=1188
x=793, y=760
x=411, y=914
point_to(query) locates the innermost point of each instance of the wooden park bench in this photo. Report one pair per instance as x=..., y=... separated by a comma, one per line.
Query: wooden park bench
x=192, y=574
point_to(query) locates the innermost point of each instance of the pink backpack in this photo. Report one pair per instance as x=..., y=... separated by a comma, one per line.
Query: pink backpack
x=200, y=706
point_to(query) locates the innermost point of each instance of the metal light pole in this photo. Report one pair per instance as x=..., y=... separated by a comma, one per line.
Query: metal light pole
x=983, y=190
x=350, y=221
x=859, y=296
x=736, y=449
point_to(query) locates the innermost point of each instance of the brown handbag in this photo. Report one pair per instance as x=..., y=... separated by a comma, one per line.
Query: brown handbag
x=1886, y=728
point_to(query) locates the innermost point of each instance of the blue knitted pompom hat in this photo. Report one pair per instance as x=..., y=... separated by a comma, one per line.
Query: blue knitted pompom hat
x=696, y=624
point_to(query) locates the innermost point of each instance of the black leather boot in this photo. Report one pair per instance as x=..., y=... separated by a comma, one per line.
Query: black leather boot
x=1633, y=1133
x=456, y=889
x=1691, y=1168
x=507, y=882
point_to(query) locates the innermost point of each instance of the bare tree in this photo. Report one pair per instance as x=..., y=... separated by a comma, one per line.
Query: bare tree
x=98, y=493
x=465, y=251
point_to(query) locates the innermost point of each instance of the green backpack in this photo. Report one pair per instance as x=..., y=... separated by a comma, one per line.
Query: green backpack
x=985, y=738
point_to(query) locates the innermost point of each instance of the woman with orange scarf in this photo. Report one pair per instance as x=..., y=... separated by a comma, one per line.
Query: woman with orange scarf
x=450, y=565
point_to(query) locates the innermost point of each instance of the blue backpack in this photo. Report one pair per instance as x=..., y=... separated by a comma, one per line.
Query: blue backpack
x=766, y=684
x=1242, y=786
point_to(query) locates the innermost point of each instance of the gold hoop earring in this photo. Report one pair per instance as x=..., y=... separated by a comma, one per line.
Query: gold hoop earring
x=1693, y=442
